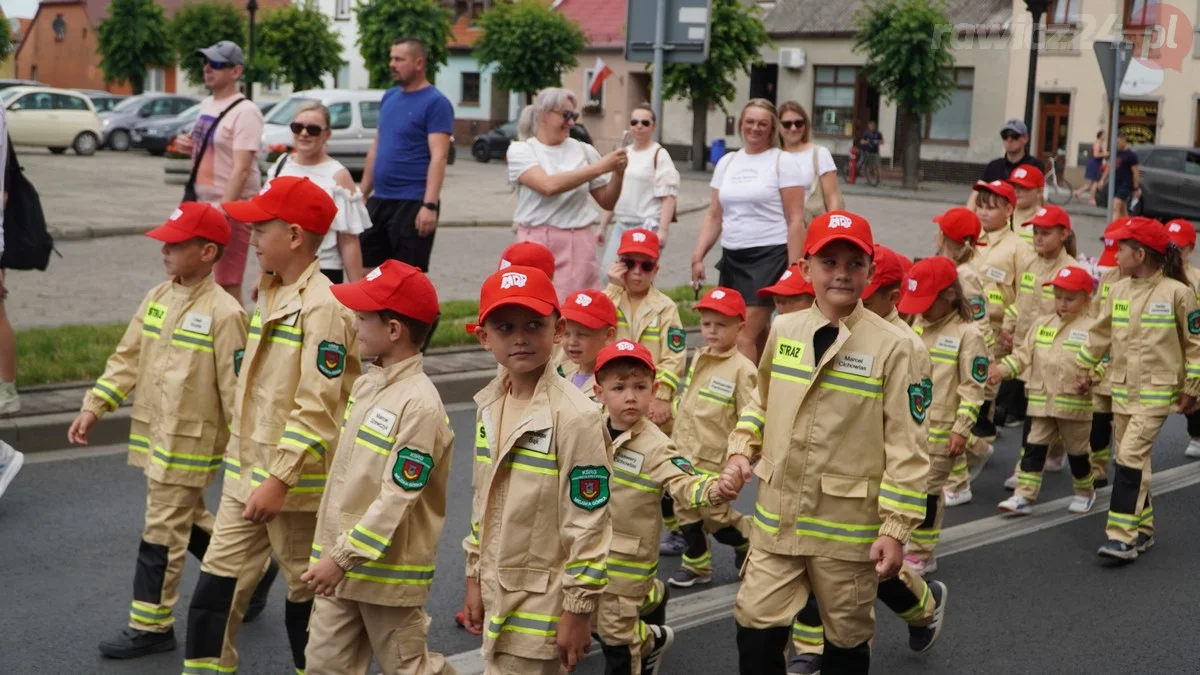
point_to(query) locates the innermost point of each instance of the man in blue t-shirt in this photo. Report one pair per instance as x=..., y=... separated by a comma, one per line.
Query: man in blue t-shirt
x=1128, y=180
x=407, y=163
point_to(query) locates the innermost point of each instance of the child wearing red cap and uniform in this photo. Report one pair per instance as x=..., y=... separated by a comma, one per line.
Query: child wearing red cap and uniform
x=718, y=387
x=186, y=330
x=381, y=516
x=591, y=325
x=540, y=529
x=1183, y=234
x=1151, y=327
x=1028, y=185
x=633, y=609
x=1000, y=252
x=1047, y=355
x=835, y=509
x=791, y=293
x=300, y=362
x=1102, y=415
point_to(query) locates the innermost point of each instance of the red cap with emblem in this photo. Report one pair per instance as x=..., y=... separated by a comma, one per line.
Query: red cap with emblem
x=523, y=286
x=191, y=220
x=1072, y=278
x=924, y=282
x=294, y=200
x=1050, y=215
x=998, y=187
x=624, y=349
x=1027, y=176
x=1109, y=257
x=959, y=224
x=724, y=300
x=839, y=225
x=528, y=254
x=791, y=283
x=639, y=240
x=888, y=270
x=1145, y=231
x=393, y=285
x=1181, y=232
x=591, y=308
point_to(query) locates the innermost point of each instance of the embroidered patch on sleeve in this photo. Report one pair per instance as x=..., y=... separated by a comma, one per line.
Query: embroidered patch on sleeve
x=1194, y=322
x=589, y=487
x=412, y=468
x=978, y=308
x=979, y=369
x=676, y=339
x=684, y=465
x=918, y=404
x=238, y=354
x=331, y=358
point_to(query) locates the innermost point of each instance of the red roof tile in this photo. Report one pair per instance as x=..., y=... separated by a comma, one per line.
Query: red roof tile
x=602, y=21
x=462, y=34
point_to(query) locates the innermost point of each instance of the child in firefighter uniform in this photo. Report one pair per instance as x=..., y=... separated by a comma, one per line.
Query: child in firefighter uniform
x=791, y=293
x=1102, y=412
x=540, y=532
x=834, y=511
x=1000, y=254
x=718, y=387
x=1047, y=353
x=301, y=360
x=1151, y=327
x=591, y=326
x=1183, y=234
x=385, y=501
x=1028, y=185
x=630, y=621
x=186, y=330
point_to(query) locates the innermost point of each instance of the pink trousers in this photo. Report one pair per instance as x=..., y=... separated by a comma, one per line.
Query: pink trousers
x=575, y=263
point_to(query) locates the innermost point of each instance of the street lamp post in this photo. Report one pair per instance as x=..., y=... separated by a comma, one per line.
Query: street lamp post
x=251, y=8
x=1037, y=8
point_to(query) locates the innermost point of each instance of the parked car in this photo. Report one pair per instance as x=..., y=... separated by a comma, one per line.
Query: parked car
x=103, y=100
x=1170, y=181
x=266, y=106
x=156, y=134
x=119, y=122
x=52, y=118
x=494, y=143
x=6, y=83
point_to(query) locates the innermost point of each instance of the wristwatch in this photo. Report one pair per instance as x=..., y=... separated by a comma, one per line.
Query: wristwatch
x=432, y=206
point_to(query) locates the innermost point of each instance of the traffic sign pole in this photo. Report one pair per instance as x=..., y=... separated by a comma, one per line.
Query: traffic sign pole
x=660, y=39
x=1114, y=58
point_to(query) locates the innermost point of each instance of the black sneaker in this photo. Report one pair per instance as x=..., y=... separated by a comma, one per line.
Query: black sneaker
x=258, y=601
x=805, y=664
x=673, y=544
x=739, y=556
x=921, y=639
x=664, y=637
x=1144, y=542
x=133, y=643
x=685, y=578
x=1119, y=550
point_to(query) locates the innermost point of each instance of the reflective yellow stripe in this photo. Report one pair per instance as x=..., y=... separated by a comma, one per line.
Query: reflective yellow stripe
x=867, y=387
x=189, y=340
x=752, y=421
x=845, y=532
x=299, y=438
x=766, y=520
x=138, y=443
x=109, y=392
x=287, y=335
x=523, y=622
x=374, y=441
x=185, y=462
x=533, y=462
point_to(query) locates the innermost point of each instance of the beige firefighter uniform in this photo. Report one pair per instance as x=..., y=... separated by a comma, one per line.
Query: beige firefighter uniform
x=1033, y=299
x=1102, y=419
x=549, y=474
x=301, y=360
x=960, y=370
x=1000, y=256
x=656, y=326
x=819, y=508
x=1046, y=355
x=380, y=521
x=645, y=464
x=569, y=369
x=1151, y=328
x=179, y=355
x=972, y=285
x=1022, y=216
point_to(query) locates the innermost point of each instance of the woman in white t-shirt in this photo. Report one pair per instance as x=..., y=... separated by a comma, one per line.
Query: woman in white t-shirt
x=757, y=211
x=821, y=192
x=650, y=190
x=340, y=255
x=555, y=175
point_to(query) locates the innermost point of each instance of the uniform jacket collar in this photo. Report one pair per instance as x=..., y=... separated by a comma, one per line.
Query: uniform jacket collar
x=206, y=286
x=712, y=352
x=994, y=238
x=287, y=300
x=537, y=413
x=849, y=321
x=397, y=371
x=627, y=436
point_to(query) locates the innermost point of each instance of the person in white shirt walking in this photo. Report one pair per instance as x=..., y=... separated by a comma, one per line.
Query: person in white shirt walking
x=649, y=191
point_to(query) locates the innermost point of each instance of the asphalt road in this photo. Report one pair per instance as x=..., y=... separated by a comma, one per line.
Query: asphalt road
x=1039, y=602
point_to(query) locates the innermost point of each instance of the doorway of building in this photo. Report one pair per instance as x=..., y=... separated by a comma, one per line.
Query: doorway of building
x=764, y=82
x=1054, y=115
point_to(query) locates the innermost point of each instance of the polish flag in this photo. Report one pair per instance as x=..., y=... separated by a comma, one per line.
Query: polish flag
x=600, y=73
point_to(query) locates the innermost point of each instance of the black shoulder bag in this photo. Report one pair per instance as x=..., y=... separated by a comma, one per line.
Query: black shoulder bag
x=189, y=188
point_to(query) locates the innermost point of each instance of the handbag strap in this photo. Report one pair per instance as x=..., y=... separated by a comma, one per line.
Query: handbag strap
x=211, y=132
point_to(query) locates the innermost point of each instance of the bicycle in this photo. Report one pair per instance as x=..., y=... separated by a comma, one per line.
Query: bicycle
x=864, y=169
x=1057, y=191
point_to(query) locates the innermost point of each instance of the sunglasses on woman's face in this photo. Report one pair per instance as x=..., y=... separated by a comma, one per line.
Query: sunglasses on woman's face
x=788, y=124
x=646, y=265
x=568, y=115
x=312, y=129
x=645, y=123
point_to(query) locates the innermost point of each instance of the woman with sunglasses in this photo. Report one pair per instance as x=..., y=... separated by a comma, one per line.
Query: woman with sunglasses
x=554, y=175
x=650, y=190
x=757, y=212
x=816, y=164
x=340, y=255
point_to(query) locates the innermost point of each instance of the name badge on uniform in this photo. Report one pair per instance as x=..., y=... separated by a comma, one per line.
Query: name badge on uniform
x=855, y=364
x=290, y=319
x=997, y=274
x=948, y=343
x=722, y=387
x=197, y=323
x=653, y=323
x=629, y=461
x=1077, y=336
x=1160, y=309
x=537, y=441
x=381, y=420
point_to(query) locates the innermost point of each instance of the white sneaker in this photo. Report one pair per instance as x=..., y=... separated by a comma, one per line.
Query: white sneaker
x=1010, y=483
x=10, y=401
x=991, y=450
x=10, y=465
x=958, y=498
x=664, y=637
x=1055, y=465
x=1081, y=504
x=1017, y=506
x=1193, y=449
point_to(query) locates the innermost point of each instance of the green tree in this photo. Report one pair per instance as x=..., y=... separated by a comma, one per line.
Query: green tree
x=531, y=45
x=907, y=44
x=301, y=39
x=135, y=36
x=198, y=25
x=7, y=46
x=737, y=35
x=382, y=22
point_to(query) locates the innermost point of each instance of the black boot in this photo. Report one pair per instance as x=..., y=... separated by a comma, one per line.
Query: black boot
x=132, y=643
x=258, y=601
x=295, y=619
x=761, y=650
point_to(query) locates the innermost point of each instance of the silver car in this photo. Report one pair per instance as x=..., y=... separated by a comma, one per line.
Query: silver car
x=133, y=111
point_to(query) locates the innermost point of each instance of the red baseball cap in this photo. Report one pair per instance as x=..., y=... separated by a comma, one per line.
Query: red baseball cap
x=516, y=285
x=294, y=200
x=528, y=254
x=1050, y=215
x=1072, y=278
x=624, y=349
x=888, y=270
x=1182, y=232
x=591, y=308
x=791, y=283
x=639, y=240
x=906, y=263
x=1027, y=177
x=839, y=225
x=1145, y=231
x=724, y=300
x=924, y=282
x=393, y=285
x=191, y=220
x=958, y=223
x=998, y=187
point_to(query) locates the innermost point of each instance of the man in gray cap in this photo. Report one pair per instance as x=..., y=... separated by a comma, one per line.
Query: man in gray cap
x=1014, y=135
x=226, y=170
